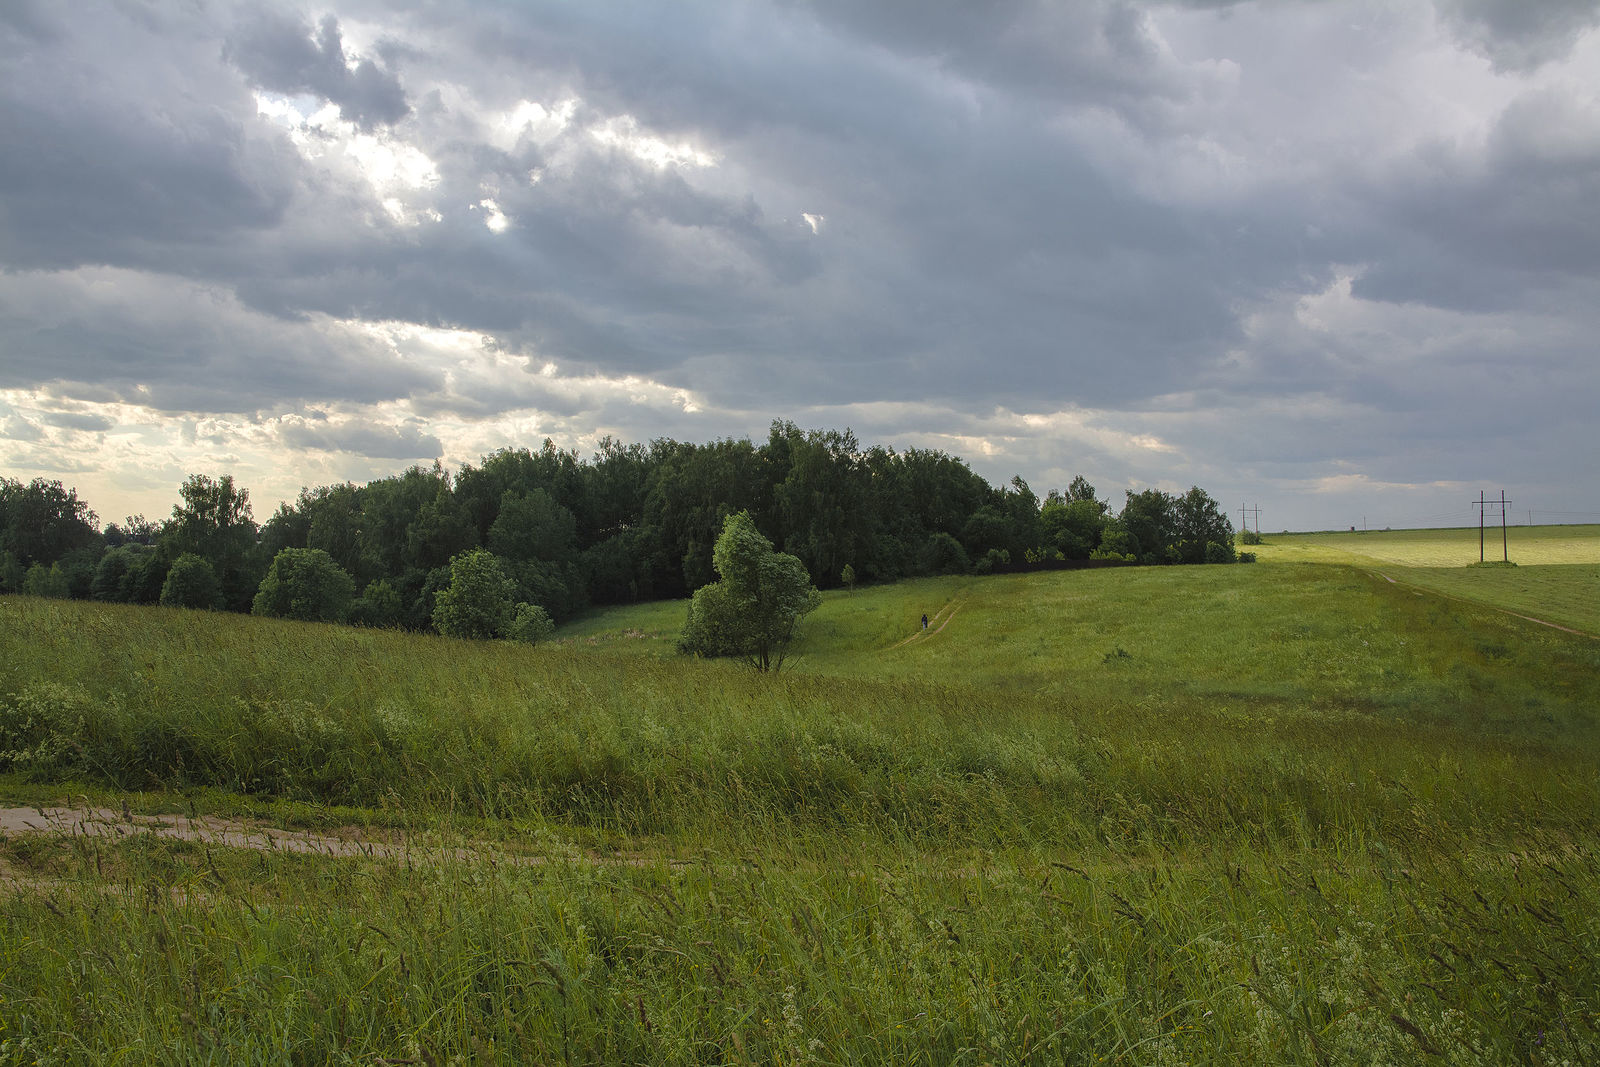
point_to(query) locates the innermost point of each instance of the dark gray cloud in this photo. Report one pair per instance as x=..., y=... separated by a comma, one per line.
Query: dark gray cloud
x=409, y=442
x=1520, y=35
x=279, y=52
x=1147, y=215
x=127, y=155
x=179, y=347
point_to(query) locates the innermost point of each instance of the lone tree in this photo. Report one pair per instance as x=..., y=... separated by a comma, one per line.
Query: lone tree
x=753, y=610
x=305, y=583
x=477, y=603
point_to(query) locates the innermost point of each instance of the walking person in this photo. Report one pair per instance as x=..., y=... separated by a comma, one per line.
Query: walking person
x=924, y=620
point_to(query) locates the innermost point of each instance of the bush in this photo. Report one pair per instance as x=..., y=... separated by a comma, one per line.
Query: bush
x=379, y=606
x=477, y=602
x=1250, y=537
x=531, y=623
x=111, y=576
x=943, y=554
x=305, y=584
x=192, y=583
x=1117, y=543
x=46, y=581
x=995, y=558
x=1247, y=557
x=11, y=573
x=1219, y=552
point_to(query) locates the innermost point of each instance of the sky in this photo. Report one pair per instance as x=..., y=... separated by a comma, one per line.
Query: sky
x=1335, y=261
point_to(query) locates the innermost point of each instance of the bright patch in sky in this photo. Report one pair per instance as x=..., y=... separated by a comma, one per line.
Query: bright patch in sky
x=624, y=132
x=493, y=217
x=532, y=120
x=395, y=170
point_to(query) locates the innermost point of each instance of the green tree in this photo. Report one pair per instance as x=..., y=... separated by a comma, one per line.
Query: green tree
x=11, y=572
x=46, y=581
x=531, y=623
x=305, y=583
x=847, y=577
x=214, y=522
x=1198, y=524
x=1073, y=526
x=943, y=554
x=192, y=583
x=1150, y=518
x=477, y=602
x=752, y=611
x=379, y=605
x=532, y=525
x=40, y=522
x=111, y=575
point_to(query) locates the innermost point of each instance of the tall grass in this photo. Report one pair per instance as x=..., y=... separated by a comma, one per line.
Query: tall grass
x=1286, y=813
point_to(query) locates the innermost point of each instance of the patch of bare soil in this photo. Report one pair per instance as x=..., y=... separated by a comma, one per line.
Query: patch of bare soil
x=235, y=833
x=206, y=829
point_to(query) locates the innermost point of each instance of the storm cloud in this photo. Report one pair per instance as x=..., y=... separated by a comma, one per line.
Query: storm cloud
x=1333, y=259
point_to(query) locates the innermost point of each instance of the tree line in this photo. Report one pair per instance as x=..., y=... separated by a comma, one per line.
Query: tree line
x=634, y=522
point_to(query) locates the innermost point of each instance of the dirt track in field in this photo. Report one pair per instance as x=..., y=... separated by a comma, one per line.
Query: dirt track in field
x=345, y=842
x=1420, y=591
x=936, y=624
x=205, y=829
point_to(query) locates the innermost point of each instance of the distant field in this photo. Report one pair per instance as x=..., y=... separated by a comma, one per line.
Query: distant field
x=1456, y=547
x=1556, y=577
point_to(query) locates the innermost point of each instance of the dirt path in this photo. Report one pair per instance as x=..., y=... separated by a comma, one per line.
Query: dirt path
x=1420, y=591
x=345, y=842
x=935, y=625
x=206, y=829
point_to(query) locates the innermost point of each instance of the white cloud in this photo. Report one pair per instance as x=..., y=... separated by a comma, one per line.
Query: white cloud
x=624, y=132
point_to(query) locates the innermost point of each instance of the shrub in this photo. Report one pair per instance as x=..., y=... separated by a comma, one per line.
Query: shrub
x=943, y=554
x=378, y=606
x=531, y=623
x=192, y=583
x=46, y=581
x=111, y=576
x=477, y=602
x=1219, y=552
x=306, y=584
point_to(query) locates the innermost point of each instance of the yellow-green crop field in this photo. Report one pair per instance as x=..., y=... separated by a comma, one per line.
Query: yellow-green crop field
x=1556, y=577
x=1292, y=813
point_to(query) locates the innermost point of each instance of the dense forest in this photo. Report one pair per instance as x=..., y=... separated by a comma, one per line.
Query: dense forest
x=635, y=522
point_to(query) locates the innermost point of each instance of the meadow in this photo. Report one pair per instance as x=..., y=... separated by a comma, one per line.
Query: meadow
x=1291, y=812
x=1555, y=575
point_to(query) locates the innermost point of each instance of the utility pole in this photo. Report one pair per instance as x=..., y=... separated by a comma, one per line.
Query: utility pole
x=1505, y=552
x=1482, y=504
x=1256, y=511
x=1480, y=525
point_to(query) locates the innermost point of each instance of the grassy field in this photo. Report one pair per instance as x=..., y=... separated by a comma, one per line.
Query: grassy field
x=1556, y=577
x=1453, y=547
x=1284, y=813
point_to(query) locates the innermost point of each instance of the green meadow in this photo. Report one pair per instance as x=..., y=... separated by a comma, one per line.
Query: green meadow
x=1295, y=812
x=1555, y=577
